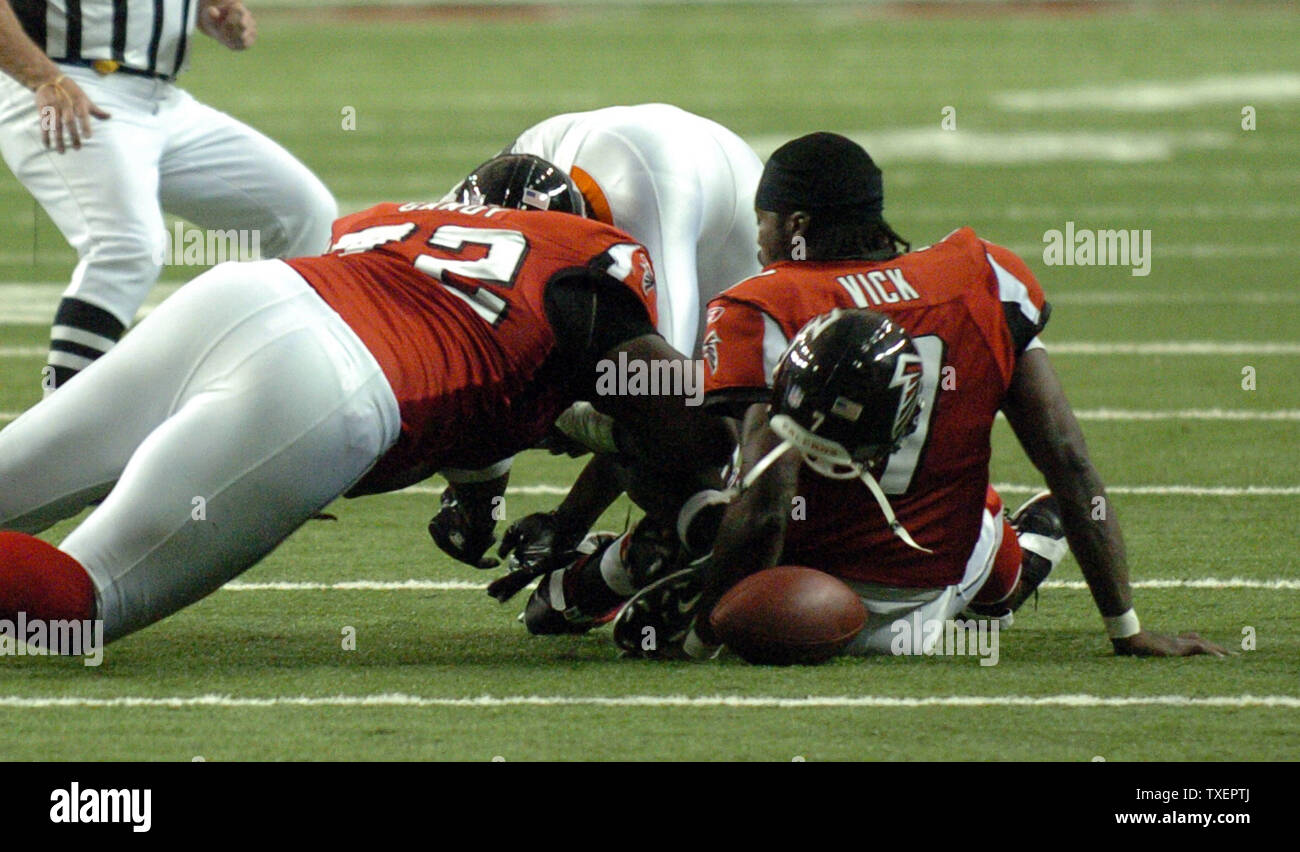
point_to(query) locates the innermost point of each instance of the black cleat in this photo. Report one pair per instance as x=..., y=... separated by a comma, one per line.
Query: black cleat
x=1041, y=533
x=654, y=623
x=548, y=614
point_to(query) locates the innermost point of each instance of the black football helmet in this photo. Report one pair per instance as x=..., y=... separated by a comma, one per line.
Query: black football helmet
x=845, y=395
x=846, y=392
x=522, y=181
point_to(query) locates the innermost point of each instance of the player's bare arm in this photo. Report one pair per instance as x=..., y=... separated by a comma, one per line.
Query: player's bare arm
x=229, y=22
x=752, y=533
x=64, y=109
x=1045, y=424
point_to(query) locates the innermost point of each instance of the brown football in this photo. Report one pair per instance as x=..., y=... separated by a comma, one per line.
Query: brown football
x=788, y=616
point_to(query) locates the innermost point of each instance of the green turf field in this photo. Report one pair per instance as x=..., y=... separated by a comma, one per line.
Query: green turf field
x=1123, y=120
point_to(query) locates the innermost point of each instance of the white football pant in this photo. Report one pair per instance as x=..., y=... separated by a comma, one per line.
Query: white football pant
x=232, y=414
x=681, y=185
x=893, y=610
x=161, y=147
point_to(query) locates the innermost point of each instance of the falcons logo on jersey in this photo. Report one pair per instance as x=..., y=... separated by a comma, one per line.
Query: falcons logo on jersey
x=907, y=377
x=710, y=350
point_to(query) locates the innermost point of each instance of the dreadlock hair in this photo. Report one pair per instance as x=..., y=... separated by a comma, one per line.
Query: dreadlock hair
x=834, y=236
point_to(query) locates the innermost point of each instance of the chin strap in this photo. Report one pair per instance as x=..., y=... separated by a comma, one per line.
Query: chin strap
x=847, y=472
x=882, y=501
x=763, y=464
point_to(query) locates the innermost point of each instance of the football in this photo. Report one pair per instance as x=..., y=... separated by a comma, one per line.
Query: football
x=788, y=616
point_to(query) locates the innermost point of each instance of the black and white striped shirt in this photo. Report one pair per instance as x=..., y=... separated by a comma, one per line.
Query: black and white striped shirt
x=144, y=35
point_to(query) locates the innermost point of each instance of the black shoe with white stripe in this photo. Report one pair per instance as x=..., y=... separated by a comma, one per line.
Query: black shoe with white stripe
x=1041, y=533
x=654, y=623
x=549, y=613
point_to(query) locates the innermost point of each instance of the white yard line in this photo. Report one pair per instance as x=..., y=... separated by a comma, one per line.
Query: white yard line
x=484, y=702
x=1173, y=347
x=1140, y=297
x=464, y=586
x=1174, y=490
x=931, y=144
x=359, y=586
x=1186, y=414
x=1157, y=96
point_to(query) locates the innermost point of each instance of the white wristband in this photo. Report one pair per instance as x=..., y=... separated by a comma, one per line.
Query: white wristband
x=1122, y=626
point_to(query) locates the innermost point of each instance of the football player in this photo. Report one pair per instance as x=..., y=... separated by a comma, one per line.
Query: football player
x=682, y=186
x=871, y=462
x=430, y=335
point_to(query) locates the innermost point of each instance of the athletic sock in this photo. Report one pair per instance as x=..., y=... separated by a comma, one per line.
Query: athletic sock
x=601, y=582
x=82, y=333
x=42, y=581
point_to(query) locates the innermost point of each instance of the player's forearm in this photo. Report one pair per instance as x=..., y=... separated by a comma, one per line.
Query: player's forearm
x=1042, y=419
x=752, y=534
x=598, y=486
x=20, y=57
x=751, y=538
x=1092, y=530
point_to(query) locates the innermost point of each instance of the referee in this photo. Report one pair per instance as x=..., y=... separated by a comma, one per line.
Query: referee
x=92, y=123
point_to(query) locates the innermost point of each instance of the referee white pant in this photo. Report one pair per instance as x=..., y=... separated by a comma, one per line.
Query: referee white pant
x=231, y=415
x=161, y=150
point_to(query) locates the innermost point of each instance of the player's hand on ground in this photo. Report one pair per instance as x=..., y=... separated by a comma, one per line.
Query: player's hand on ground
x=537, y=543
x=1146, y=644
x=464, y=532
x=229, y=22
x=65, y=112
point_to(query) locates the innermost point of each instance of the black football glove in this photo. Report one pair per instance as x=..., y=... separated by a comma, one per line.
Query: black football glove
x=464, y=532
x=535, y=545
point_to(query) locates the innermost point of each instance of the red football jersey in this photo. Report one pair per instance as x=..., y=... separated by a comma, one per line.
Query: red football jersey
x=970, y=307
x=450, y=300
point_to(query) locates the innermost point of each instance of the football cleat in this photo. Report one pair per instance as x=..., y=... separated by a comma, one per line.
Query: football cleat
x=1041, y=534
x=653, y=551
x=654, y=624
x=464, y=532
x=547, y=612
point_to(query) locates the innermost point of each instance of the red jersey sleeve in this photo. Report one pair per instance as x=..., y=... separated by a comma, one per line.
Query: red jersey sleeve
x=629, y=264
x=742, y=346
x=1023, y=300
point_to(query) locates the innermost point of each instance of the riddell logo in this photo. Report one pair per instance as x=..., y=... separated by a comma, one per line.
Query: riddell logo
x=74, y=805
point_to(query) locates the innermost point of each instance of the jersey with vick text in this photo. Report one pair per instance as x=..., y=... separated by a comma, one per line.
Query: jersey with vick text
x=971, y=308
x=451, y=301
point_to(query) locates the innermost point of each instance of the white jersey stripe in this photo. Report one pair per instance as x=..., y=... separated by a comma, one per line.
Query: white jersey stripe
x=1012, y=289
x=774, y=346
